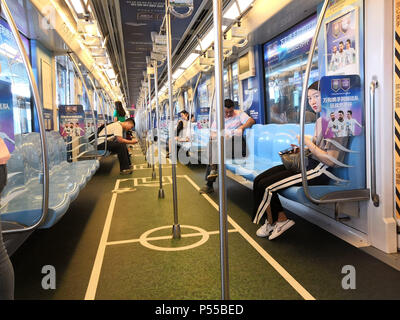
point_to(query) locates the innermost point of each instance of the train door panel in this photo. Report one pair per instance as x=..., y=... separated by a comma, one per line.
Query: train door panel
x=379, y=39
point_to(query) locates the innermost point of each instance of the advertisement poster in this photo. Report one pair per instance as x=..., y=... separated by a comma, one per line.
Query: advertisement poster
x=72, y=120
x=48, y=119
x=89, y=122
x=100, y=120
x=251, y=104
x=342, y=44
x=342, y=106
x=6, y=115
x=290, y=44
x=203, y=107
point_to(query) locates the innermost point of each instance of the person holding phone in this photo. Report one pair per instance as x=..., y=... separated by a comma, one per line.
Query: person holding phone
x=269, y=183
x=6, y=268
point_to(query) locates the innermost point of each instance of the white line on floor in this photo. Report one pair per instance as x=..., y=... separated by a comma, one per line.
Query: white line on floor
x=94, y=277
x=187, y=235
x=292, y=281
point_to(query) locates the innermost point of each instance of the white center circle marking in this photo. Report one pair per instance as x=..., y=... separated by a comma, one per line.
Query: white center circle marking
x=144, y=241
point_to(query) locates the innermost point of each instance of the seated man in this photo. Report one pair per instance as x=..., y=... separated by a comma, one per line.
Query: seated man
x=117, y=144
x=236, y=122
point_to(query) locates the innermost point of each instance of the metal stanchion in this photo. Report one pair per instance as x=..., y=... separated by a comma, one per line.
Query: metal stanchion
x=176, y=230
x=161, y=194
x=145, y=104
x=153, y=173
x=75, y=63
x=217, y=14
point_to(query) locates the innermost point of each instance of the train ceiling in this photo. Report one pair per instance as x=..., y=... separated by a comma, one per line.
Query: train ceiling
x=139, y=19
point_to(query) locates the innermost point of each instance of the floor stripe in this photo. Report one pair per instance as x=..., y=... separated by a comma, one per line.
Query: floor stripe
x=293, y=282
x=187, y=235
x=94, y=277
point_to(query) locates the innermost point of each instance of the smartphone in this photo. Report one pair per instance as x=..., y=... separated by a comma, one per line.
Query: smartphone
x=288, y=150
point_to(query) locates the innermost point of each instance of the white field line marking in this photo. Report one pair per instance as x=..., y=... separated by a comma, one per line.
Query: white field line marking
x=187, y=235
x=142, y=167
x=94, y=277
x=292, y=281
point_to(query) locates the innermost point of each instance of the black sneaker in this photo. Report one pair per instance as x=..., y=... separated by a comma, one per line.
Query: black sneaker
x=213, y=175
x=126, y=171
x=206, y=190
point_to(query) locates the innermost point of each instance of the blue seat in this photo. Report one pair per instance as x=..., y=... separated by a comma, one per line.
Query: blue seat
x=354, y=176
x=266, y=141
x=23, y=196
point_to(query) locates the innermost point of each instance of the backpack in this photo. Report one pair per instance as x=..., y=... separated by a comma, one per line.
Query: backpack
x=99, y=129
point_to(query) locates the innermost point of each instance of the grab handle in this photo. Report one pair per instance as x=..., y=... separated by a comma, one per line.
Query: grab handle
x=372, y=106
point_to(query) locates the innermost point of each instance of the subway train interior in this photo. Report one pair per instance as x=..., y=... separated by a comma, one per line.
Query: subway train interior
x=120, y=122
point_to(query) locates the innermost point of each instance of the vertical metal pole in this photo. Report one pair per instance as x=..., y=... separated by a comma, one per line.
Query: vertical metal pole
x=153, y=174
x=103, y=111
x=87, y=94
x=217, y=14
x=176, y=230
x=161, y=194
x=146, y=125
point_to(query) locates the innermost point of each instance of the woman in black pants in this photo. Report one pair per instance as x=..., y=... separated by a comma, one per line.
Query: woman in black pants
x=6, y=268
x=267, y=185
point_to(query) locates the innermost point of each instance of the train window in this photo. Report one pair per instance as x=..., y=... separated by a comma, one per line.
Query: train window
x=227, y=84
x=14, y=80
x=285, y=58
x=61, y=80
x=235, y=82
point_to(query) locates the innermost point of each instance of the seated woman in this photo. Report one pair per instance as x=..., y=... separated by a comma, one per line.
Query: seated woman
x=267, y=184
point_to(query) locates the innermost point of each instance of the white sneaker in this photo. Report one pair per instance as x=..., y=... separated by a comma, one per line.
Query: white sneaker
x=265, y=230
x=281, y=227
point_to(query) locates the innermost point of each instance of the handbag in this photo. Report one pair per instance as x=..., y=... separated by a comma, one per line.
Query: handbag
x=4, y=153
x=291, y=159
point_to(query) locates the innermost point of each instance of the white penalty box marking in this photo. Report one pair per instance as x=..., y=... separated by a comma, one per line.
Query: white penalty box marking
x=144, y=167
x=144, y=239
x=147, y=182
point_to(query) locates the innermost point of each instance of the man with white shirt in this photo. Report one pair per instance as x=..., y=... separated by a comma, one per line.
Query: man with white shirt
x=117, y=144
x=351, y=124
x=335, y=61
x=341, y=55
x=332, y=125
x=350, y=53
x=341, y=125
x=235, y=123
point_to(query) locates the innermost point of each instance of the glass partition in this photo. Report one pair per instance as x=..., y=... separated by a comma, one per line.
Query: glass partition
x=22, y=198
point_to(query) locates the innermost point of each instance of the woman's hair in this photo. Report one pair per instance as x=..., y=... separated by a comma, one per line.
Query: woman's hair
x=120, y=109
x=314, y=86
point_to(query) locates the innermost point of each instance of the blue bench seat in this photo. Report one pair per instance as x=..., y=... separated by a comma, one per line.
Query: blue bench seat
x=22, y=198
x=264, y=143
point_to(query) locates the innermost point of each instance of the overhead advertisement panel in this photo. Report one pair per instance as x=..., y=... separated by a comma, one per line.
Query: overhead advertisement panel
x=291, y=43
